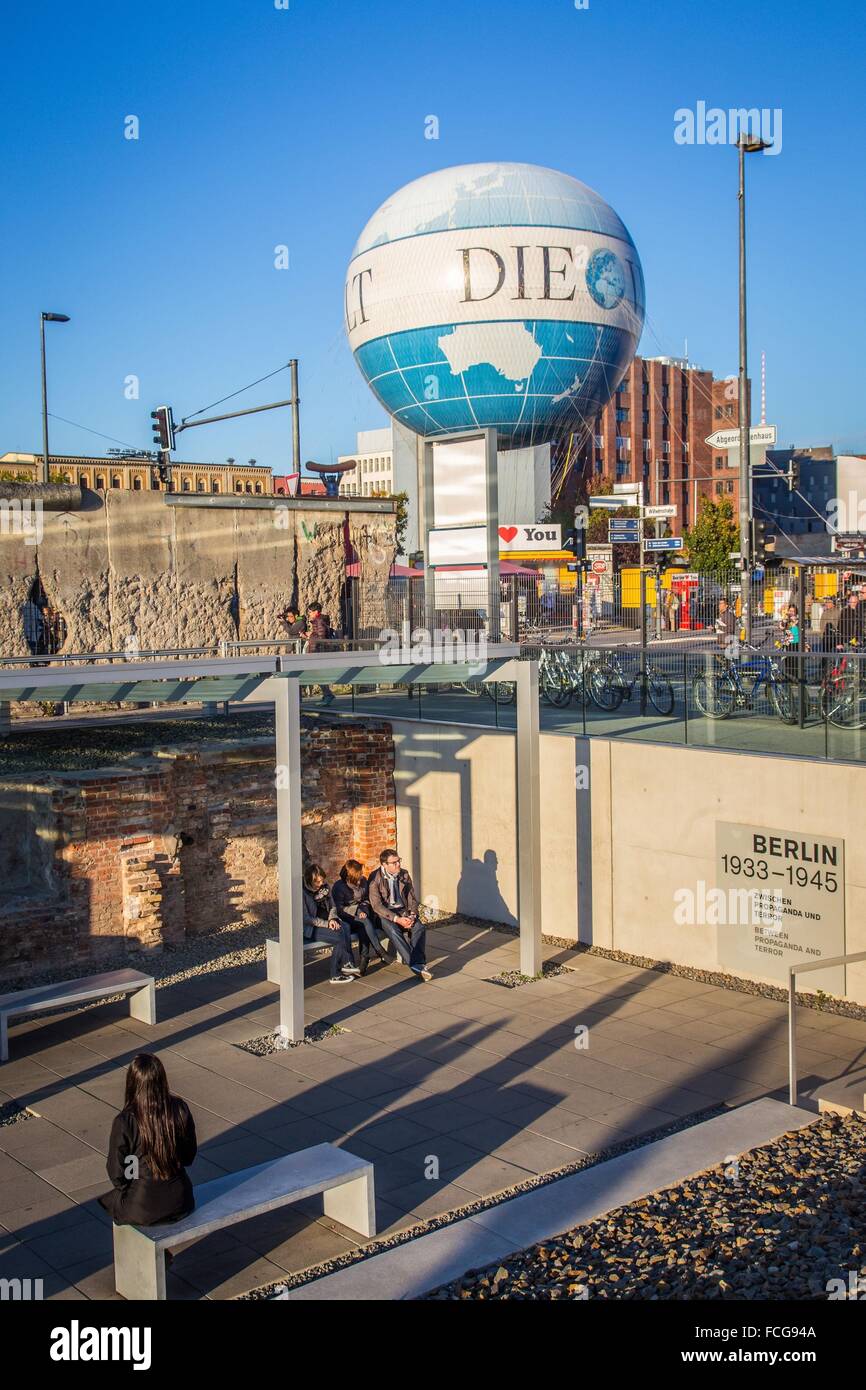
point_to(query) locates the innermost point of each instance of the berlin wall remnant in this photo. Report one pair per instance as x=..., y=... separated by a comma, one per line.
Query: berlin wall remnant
x=138, y=568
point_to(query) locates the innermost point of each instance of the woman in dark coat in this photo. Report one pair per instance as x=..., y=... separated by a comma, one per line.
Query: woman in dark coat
x=323, y=924
x=152, y=1144
x=349, y=896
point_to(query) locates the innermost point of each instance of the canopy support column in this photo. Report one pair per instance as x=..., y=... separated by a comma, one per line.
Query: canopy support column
x=287, y=710
x=528, y=818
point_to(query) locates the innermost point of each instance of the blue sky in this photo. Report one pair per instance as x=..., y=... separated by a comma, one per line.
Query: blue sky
x=262, y=126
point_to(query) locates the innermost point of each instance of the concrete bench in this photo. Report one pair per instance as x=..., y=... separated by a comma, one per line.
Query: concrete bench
x=44, y=998
x=272, y=956
x=345, y=1181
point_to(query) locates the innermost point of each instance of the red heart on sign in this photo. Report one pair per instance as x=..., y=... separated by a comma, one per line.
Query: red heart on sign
x=508, y=533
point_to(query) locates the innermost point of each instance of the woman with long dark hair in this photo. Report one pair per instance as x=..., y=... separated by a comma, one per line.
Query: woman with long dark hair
x=152, y=1144
x=323, y=924
x=349, y=896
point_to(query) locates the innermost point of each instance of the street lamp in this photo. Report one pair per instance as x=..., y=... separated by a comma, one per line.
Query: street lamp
x=43, y=319
x=746, y=144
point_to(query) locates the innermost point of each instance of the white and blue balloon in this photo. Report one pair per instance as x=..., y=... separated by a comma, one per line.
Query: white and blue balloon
x=495, y=295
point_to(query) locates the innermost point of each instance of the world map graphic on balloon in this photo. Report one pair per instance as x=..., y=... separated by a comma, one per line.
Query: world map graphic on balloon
x=495, y=295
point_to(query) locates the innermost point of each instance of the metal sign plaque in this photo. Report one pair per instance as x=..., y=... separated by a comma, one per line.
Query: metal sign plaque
x=781, y=903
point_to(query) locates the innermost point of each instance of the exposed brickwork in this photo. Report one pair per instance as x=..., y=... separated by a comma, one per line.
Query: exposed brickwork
x=181, y=844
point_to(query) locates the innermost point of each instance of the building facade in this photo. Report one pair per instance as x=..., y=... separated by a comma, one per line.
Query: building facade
x=653, y=432
x=138, y=473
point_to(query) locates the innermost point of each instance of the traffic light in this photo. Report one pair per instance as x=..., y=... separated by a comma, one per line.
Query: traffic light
x=575, y=542
x=794, y=474
x=163, y=427
x=763, y=546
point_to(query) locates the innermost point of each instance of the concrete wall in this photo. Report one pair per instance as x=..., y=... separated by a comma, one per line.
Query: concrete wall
x=177, y=576
x=615, y=853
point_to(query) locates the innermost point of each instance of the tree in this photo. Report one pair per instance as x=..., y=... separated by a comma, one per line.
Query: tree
x=712, y=538
x=401, y=515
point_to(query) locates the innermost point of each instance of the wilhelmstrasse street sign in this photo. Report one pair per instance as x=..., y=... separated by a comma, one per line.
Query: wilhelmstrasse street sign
x=729, y=439
x=664, y=543
x=656, y=513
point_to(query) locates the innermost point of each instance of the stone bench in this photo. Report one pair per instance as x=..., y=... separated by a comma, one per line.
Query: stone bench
x=44, y=998
x=272, y=955
x=346, y=1183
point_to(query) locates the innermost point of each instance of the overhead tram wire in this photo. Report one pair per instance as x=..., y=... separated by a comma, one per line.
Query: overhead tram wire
x=75, y=424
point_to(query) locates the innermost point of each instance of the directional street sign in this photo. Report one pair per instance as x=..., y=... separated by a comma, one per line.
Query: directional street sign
x=729, y=439
x=607, y=503
x=664, y=543
x=624, y=533
x=656, y=513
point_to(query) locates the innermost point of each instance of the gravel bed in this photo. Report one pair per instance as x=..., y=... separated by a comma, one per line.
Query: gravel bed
x=781, y=1222
x=59, y=749
x=11, y=1113
x=269, y=1043
x=513, y=979
x=422, y=1228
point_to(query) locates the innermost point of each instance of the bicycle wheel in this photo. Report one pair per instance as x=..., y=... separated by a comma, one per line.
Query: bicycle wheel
x=660, y=692
x=554, y=687
x=605, y=686
x=501, y=692
x=714, y=694
x=782, y=695
x=843, y=702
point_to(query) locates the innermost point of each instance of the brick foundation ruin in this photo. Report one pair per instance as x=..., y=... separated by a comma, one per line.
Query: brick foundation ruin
x=177, y=844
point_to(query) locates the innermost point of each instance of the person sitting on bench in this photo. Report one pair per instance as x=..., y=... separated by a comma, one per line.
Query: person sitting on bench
x=393, y=900
x=350, y=899
x=323, y=924
x=152, y=1144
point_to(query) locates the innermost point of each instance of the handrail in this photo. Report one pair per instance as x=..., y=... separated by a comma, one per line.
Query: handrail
x=793, y=972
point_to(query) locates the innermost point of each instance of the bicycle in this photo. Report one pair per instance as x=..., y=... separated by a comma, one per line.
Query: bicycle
x=659, y=690
x=719, y=692
x=843, y=695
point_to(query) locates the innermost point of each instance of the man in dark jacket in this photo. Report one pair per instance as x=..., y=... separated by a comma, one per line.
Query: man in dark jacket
x=320, y=630
x=393, y=900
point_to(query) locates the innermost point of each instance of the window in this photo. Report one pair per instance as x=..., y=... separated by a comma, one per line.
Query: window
x=720, y=461
x=100, y=480
x=136, y=484
x=623, y=442
x=67, y=477
x=249, y=487
x=115, y=481
x=718, y=412
x=622, y=413
x=186, y=485
x=719, y=487
x=730, y=486
x=239, y=487
x=85, y=480
x=258, y=487
x=199, y=484
x=215, y=486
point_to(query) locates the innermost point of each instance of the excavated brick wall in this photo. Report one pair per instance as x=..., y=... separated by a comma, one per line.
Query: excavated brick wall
x=126, y=859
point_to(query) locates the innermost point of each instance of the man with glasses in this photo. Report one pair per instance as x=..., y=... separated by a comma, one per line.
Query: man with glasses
x=393, y=900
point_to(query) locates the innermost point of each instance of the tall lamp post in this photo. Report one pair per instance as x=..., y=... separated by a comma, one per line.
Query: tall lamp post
x=43, y=319
x=746, y=144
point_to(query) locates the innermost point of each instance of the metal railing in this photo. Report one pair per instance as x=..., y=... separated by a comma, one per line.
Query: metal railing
x=793, y=972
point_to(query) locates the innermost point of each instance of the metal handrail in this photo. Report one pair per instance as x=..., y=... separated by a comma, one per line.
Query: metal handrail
x=793, y=972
